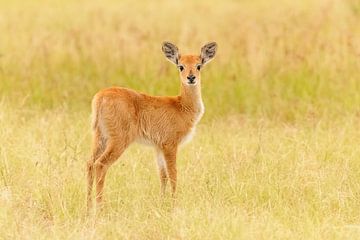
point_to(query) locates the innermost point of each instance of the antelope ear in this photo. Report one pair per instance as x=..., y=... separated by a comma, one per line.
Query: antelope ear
x=208, y=52
x=171, y=52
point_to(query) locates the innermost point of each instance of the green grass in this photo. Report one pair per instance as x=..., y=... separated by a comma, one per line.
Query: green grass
x=270, y=59
x=275, y=157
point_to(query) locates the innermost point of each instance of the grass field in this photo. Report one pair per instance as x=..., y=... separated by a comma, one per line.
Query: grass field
x=276, y=155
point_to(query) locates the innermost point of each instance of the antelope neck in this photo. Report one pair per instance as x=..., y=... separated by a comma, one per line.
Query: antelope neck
x=191, y=97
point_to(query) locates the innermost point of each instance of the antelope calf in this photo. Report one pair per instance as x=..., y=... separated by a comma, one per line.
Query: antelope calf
x=122, y=116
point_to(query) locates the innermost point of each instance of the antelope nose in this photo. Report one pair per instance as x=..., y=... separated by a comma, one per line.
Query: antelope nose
x=191, y=78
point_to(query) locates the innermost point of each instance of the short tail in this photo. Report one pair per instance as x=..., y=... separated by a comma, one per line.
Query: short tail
x=95, y=113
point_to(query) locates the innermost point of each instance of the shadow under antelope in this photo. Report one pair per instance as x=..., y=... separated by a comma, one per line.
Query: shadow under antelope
x=122, y=116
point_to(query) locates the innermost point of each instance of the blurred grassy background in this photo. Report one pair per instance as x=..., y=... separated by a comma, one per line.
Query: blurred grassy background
x=290, y=60
x=275, y=157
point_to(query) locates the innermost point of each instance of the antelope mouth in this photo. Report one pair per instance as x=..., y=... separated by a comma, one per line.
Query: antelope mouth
x=191, y=82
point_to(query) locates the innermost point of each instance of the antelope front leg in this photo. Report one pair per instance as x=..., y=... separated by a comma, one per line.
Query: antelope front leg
x=162, y=171
x=170, y=159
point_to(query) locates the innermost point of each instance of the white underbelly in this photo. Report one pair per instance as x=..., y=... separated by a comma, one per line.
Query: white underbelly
x=188, y=136
x=145, y=142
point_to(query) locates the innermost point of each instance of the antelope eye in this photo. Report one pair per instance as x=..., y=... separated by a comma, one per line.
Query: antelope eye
x=181, y=68
x=198, y=67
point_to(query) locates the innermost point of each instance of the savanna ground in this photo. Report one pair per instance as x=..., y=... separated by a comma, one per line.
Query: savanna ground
x=276, y=156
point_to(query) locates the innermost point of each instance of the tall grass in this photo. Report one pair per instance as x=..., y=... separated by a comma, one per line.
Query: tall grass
x=252, y=178
x=276, y=156
x=285, y=59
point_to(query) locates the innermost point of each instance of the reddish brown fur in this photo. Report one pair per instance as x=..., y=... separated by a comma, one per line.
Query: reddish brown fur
x=122, y=116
